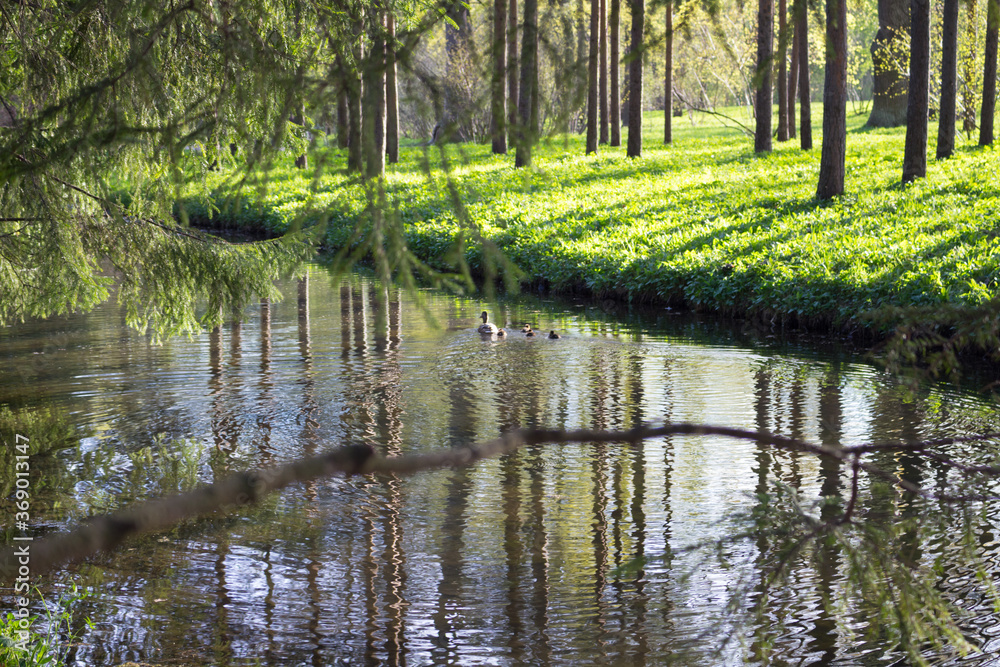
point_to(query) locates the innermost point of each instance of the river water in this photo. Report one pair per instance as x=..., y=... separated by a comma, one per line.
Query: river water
x=556, y=555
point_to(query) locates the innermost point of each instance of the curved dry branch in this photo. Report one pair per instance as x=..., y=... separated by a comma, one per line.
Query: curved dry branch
x=104, y=533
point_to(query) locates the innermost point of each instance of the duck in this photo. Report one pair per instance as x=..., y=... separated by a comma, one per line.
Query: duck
x=487, y=328
x=529, y=333
x=501, y=333
x=553, y=334
x=526, y=329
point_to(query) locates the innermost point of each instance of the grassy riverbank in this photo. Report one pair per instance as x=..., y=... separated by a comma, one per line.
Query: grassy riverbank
x=703, y=224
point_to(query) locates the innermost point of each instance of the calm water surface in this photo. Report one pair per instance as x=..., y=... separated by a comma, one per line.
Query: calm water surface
x=563, y=555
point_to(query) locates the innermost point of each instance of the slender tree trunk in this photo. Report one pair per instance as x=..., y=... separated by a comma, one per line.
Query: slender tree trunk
x=805, y=98
x=614, y=28
x=782, y=75
x=793, y=71
x=302, y=161
x=373, y=120
x=889, y=95
x=668, y=76
x=592, y=76
x=634, y=148
x=949, y=80
x=391, y=94
x=832, y=158
x=499, y=111
x=512, y=73
x=528, y=101
x=969, y=63
x=603, y=73
x=915, y=147
x=989, y=73
x=343, y=136
x=355, y=162
x=762, y=77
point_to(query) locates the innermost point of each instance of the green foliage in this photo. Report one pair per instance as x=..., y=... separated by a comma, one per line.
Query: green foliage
x=703, y=224
x=41, y=649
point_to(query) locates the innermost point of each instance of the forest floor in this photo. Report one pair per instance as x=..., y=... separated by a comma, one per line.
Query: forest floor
x=703, y=223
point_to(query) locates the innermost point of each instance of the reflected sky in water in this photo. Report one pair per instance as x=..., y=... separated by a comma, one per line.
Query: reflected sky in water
x=579, y=554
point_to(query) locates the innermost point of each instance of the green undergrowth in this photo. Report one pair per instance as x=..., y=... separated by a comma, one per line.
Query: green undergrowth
x=704, y=223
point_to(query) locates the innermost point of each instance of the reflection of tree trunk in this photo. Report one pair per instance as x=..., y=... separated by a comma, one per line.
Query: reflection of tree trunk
x=889, y=94
x=360, y=322
x=599, y=465
x=307, y=412
x=514, y=552
x=266, y=410
x=222, y=641
x=539, y=559
x=640, y=601
x=764, y=459
x=345, y=320
x=915, y=147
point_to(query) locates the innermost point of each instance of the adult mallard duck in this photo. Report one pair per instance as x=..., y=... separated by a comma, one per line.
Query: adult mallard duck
x=487, y=328
x=553, y=334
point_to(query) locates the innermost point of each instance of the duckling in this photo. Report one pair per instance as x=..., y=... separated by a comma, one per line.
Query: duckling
x=553, y=334
x=487, y=328
x=501, y=333
x=526, y=329
x=529, y=333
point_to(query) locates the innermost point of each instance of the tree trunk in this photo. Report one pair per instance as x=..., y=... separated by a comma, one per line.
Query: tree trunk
x=805, y=98
x=634, y=148
x=512, y=73
x=373, y=120
x=302, y=161
x=782, y=74
x=391, y=94
x=889, y=94
x=969, y=63
x=793, y=72
x=762, y=77
x=354, y=95
x=592, y=76
x=498, y=123
x=614, y=28
x=989, y=74
x=603, y=72
x=528, y=101
x=949, y=80
x=915, y=147
x=668, y=77
x=832, y=158
x=343, y=115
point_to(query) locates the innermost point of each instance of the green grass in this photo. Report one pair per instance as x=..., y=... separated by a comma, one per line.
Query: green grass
x=703, y=223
